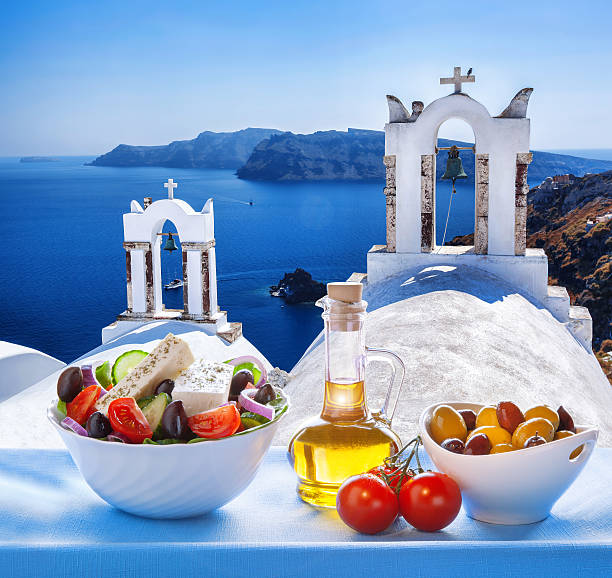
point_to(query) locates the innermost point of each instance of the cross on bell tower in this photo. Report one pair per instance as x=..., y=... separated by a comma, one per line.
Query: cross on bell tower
x=170, y=185
x=457, y=79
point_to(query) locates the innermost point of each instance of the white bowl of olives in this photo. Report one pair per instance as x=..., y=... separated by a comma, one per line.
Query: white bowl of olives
x=511, y=466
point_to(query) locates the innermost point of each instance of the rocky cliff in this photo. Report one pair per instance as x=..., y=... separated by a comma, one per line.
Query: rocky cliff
x=212, y=150
x=357, y=155
x=579, y=255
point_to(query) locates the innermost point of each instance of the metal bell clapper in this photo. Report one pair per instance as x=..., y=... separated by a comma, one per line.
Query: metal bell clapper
x=170, y=244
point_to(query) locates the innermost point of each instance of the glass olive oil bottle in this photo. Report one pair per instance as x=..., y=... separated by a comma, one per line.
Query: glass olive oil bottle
x=346, y=438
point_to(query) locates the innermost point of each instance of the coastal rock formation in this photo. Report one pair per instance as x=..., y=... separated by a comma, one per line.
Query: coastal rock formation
x=270, y=155
x=357, y=155
x=325, y=155
x=298, y=287
x=213, y=150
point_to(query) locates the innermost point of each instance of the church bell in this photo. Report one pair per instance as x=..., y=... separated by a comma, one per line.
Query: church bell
x=454, y=167
x=171, y=244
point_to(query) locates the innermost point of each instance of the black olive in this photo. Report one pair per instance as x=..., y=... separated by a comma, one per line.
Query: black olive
x=69, y=383
x=165, y=386
x=174, y=422
x=98, y=425
x=265, y=394
x=239, y=382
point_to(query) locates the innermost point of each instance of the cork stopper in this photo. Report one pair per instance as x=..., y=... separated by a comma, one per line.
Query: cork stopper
x=344, y=307
x=347, y=292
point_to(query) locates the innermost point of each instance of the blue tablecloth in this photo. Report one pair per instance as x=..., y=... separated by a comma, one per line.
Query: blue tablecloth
x=52, y=524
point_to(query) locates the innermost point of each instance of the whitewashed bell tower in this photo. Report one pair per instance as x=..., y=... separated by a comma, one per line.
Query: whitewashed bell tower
x=502, y=158
x=142, y=228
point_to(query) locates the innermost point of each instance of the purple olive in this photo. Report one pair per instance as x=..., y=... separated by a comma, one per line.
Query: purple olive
x=265, y=394
x=566, y=422
x=98, y=425
x=469, y=417
x=536, y=440
x=166, y=386
x=69, y=383
x=478, y=445
x=239, y=382
x=174, y=422
x=454, y=445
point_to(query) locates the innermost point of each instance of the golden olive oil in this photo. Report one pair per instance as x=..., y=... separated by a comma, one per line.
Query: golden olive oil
x=343, y=441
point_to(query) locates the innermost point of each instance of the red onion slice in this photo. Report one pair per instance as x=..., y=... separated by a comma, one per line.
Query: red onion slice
x=254, y=361
x=246, y=401
x=115, y=436
x=76, y=427
x=227, y=403
x=89, y=379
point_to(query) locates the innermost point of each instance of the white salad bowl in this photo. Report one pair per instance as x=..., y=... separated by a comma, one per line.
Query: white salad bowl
x=168, y=481
x=510, y=488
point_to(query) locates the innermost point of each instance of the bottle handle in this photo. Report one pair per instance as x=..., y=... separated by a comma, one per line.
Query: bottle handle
x=398, y=372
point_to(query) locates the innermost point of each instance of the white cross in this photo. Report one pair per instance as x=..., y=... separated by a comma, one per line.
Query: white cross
x=457, y=79
x=170, y=185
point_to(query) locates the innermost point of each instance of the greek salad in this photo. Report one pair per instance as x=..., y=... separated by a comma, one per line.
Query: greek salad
x=167, y=397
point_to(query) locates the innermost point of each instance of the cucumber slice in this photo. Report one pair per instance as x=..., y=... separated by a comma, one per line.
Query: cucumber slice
x=126, y=362
x=250, y=420
x=154, y=410
x=144, y=401
x=103, y=375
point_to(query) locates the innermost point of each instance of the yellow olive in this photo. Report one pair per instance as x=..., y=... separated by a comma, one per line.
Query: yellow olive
x=487, y=416
x=543, y=411
x=566, y=434
x=502, y=448
x=446, y=422
x=531, y=427
x=497, y=435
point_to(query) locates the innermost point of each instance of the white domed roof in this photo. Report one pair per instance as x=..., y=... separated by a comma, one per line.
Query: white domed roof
x=464, y=335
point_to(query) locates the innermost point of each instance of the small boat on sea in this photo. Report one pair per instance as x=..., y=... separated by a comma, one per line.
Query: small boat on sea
x=174, y=284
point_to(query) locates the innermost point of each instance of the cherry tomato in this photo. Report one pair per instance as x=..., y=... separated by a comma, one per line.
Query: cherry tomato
x=127, y=418
x=81, y=407
x=366, y=504
x=216, y=423
x=430, y=501
x=389, y=475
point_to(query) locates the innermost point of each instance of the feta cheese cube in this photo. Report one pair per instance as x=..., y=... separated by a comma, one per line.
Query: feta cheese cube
x=166, y=361
x=203, y=385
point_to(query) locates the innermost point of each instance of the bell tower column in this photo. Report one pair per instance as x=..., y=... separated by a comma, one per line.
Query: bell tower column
x=137, y=256
x=199, y=279
x=521, y=188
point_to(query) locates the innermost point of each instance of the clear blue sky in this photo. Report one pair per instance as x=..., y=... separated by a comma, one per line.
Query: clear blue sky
x=80, y=77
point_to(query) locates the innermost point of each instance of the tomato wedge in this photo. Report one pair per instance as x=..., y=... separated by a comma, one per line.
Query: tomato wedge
x=127, y=418
x=79, y=409
x=216, y=423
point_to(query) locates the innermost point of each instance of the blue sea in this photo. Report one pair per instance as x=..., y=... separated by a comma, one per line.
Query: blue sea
x=62, y=264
